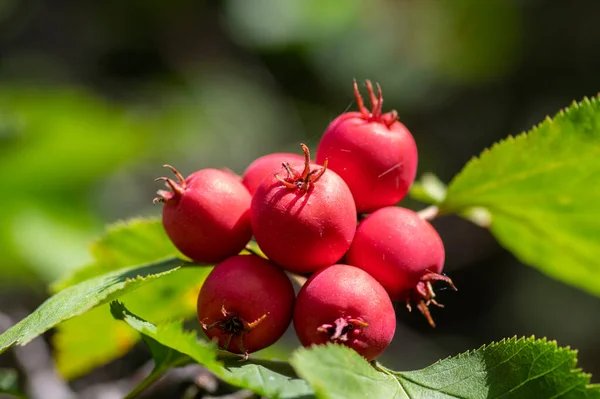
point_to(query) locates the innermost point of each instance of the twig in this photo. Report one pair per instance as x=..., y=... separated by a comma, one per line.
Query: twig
x=429, y=213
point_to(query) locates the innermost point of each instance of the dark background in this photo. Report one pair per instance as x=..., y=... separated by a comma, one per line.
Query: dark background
x=96, y=96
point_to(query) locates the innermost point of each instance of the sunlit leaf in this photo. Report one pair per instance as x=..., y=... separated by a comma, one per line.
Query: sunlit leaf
x=82, y=297
x=79, y=349
x=271, y=379
x=124, y=244
x=542, y=193
x=523, y=368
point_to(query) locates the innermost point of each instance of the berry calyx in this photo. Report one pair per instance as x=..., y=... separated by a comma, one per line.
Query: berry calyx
x=302, y=181
x=372, y=151
x=177, y=187
x=207, y=215
x=303, y=217
x=345, y=305
x=404, y=253
x=343, y=329
x=375, y=115
x=231, y=326
x=264, y=166
x=424, y=295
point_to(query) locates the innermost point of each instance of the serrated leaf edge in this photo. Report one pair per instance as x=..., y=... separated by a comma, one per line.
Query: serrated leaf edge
x=104, y=298
x=516, y=340
x=524, y=135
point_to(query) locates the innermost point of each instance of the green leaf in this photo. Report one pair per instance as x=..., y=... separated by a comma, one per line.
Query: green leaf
x=82, y=297
x=164, y=357
x=514, y=368
x=272, y=379
x=335, y=371
x=125, y=243
x=541, y=194
x=78, y=348
x=45, y=122
x=9, y=383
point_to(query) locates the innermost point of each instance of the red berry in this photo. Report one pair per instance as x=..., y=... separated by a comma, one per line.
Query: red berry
x=343, y=304
x=304, y=220
x=401, y=251
x=245, y=304
x=256, y=172
x=207, y=215
x=373, y=152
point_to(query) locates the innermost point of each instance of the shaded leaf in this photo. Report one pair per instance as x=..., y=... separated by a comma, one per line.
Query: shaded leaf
x=125, y=243
x=82, y=297
x=541, y=192
x=513, y=368
x=48, y=121
x=79, y=348
x=9, y=383
x=268, y=378
x=335, y=371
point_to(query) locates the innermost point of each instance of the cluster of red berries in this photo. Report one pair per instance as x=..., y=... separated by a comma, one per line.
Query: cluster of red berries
x=334, y=221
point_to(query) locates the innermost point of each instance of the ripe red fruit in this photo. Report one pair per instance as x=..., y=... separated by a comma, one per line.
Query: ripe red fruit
x=305, y=220
x=373, y=152
x=401, y=251
x=344, y=304
x=245, y=304
x=207, y=215
x=256, y=172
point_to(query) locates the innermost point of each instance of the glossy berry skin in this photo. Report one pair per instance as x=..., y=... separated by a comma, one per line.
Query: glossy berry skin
x=245, y=304
x=404, y=253
x=397, y=247
x=207, y=216
x=349, y=299
x=373, y=152
x=266, y=165
x=304, y=221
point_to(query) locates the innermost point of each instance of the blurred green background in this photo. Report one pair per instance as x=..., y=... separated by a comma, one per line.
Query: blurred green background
x=96, y=96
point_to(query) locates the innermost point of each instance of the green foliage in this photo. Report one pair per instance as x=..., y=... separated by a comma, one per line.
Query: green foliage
x=9, y=383
x=82, y=297
x=335, y=371
x=538, y=194
x=267, y=378
x=78, y=348
x=124, y=244
x=514, y=368
x=41, y=130
x=164, y=357
x=55, y=145
x=542, y=192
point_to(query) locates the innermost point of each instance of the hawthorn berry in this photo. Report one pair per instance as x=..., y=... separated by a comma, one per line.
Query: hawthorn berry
x=345, y=305
x=373, y=152
x=245, y=304
x=207, y=215
x=261, y=167
x=303, y=217
x=403, y=252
